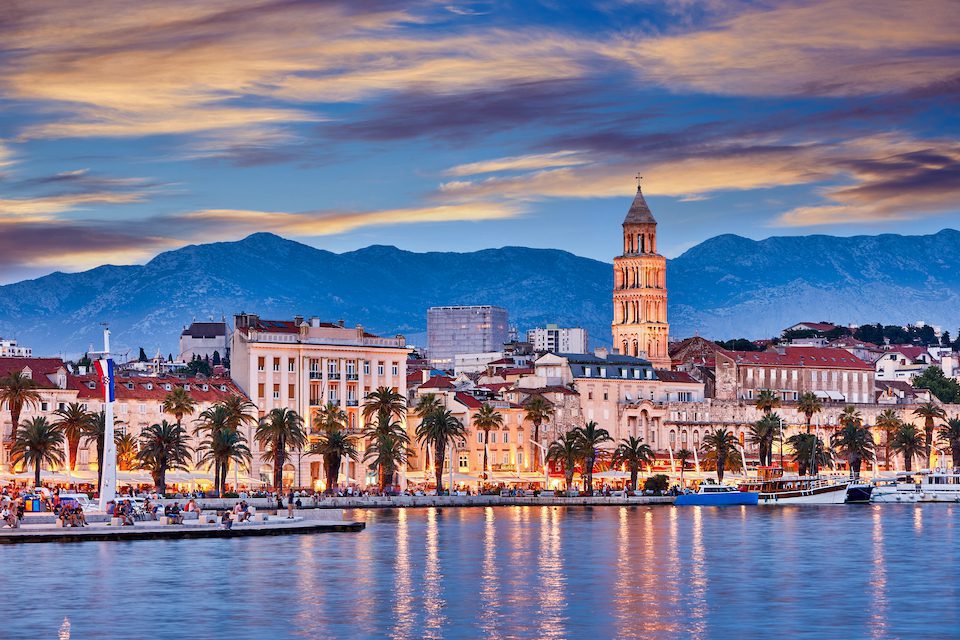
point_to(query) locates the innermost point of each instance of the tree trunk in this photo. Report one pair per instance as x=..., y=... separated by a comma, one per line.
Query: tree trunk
x=161, y=480
x=278, y=460
x=568, y=477
x=588, y=474
x=36, y=473
x=809, y=418
x=216, y=478
x=721, y=463
x=439, y=455
x=73, y=446
x=536, y=450
x=224, y=470
x=908, y=462
x=333, y=470
x=486, y=441
x=100, y=467
x=955, y=454
x=633, y=476
x=928, y=439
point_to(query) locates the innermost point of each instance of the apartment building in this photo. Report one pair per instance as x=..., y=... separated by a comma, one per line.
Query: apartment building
x=303, y=364
x=558, y=339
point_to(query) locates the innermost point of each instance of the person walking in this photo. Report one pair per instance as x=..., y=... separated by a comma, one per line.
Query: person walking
x=290, y=505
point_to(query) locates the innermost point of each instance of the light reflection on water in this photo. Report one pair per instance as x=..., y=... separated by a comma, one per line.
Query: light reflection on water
x=516, y=572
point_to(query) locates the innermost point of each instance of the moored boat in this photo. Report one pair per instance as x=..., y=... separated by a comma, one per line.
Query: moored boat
x=859, y=493
x=922, y=486
x=773, y=488
x=716, y=495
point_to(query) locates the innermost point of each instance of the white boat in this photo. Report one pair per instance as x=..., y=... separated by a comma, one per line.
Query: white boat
x=775, y=489
x=936, y=485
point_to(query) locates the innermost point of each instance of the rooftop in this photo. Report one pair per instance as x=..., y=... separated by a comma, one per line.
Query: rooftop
x=819, y=357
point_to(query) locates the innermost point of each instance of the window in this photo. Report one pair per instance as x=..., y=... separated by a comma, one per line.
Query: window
x=586, y=372
x=84, y=456
x=606, y=396
x=260, y=363
x=290, y=365
x=464, y=461
x=590, y=395
x=506, y=437
x=276, y=391
x=332, y=395
x=395, y=369
x=519, y=458
x=506, y=457
x=143, y=408
x=291, y=390
x=479, y=437
x=379, y=368
x=493, y=437
x=44, y=406
x=673, y=438
x=366, y=367
x=276, y=364
x=260, y=390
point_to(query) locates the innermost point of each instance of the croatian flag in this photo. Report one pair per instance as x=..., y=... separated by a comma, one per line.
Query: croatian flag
x=105, y=369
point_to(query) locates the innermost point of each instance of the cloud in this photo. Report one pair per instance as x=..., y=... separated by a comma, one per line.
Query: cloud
x=321, y=223
x=42, y=206
x=520, y=163
x=830, y=48
x=908, y=181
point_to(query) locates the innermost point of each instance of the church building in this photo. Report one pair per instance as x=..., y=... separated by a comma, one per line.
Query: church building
x=640, y=327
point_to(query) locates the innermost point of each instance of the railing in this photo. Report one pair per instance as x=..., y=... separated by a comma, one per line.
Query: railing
x=353, y=403
x=333, y=375
x=353, y=376
x=316, y=375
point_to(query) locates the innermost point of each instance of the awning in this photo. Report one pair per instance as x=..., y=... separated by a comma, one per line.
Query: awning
x=612, y=475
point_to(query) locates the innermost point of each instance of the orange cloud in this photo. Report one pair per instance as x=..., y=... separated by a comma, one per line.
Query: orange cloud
x=833, y=48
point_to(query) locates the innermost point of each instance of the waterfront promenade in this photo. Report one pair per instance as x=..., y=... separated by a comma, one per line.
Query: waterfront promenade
x=397, y=502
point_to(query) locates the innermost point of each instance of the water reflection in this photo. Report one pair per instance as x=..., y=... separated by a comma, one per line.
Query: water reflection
x=525, y=572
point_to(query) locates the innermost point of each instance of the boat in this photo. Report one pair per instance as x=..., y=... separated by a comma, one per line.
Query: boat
x=859, y=493
x=716, y=495
x=773, y=488
x=937, y=485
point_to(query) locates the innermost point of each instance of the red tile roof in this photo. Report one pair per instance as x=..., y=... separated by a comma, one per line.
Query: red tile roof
x=818, y=326
x=140, y=390
x=909, y=350
x=819, y=357
x=503, y=361
x=40, y=368
x=516, y=371
x=467, y=400
x=438, y=382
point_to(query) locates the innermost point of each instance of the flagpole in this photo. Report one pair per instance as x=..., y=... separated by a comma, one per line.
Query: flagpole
x=108, y=474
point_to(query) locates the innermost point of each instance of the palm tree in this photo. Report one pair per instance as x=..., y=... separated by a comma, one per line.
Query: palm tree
x=163, y=447
x=436, y=430
x=590, y=436
x=888, y=420
x=427, y=403
x=487, y=418
x=386, y=450
x=240, y=411
x=950, y=434
x=908, y=441
x=850, y=415
x=682, y=456
x=330, y=417
x=333, y=446
x=179, y=403
x=37, y=441
x=72, y=421
x=809, y=453
x=221, y=445
x=127, y=449
x=633, y=452
x=279, y=433
x=538, y=410
x=722, y=444
x=930, y=412
x=384, y=401
x=763, y=433
x=17, y=391
x=767, y=400
x=809, y=404
x=566, y=452
x=854, y=441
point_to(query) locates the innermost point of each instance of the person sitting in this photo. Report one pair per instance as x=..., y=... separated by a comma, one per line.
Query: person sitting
x=79, y=517
x=244, y=513
x=112, y=509
x=192, y=506
x=175, y=515
x=127, y=516
x=225, y=521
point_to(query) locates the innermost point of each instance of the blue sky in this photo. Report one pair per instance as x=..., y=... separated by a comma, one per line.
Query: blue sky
x=127, y=129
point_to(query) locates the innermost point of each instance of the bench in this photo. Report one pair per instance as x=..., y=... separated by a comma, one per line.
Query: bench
x=208, y=518
x=261, y=517
x=116, y=522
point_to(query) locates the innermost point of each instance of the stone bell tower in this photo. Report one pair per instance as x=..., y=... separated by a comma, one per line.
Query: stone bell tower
x=640, y=325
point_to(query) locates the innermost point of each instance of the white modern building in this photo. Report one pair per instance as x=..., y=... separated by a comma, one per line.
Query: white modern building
x=558, y=339
x=10, y=349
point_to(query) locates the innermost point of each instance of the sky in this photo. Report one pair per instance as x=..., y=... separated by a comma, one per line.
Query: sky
x=129, y=128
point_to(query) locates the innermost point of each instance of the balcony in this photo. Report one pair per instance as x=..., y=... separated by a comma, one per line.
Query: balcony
x=333, y=375
x=316, y=402
x=353, y=376
x=316, y=375
x=353, y=403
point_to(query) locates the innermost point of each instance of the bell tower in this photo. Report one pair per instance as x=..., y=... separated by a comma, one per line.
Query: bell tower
x=640, y=325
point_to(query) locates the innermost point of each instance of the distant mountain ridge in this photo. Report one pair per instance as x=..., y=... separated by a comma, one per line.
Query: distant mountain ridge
x=727, y=286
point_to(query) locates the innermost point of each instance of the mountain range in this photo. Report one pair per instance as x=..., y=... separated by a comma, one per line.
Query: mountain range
x=727, y=286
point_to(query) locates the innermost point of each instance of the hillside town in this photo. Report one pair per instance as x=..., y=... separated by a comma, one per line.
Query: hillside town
x=512, y=398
